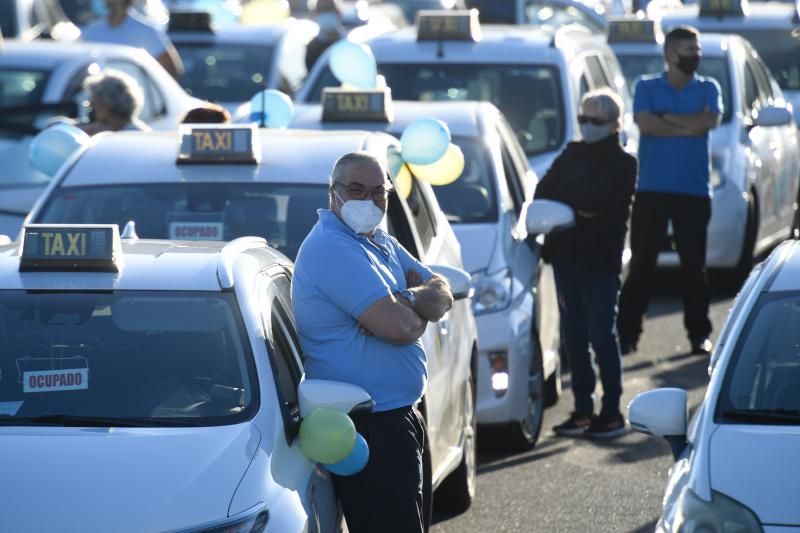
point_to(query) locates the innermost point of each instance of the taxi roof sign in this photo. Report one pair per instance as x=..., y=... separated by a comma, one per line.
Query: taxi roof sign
x=357, y=105
x=719, y=8
x=443, y=25
x=218, y=143
x=188, y=21
x=70, y=247
x=633, y=30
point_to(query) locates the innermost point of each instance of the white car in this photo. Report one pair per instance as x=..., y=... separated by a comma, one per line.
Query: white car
x=755, y=154
x=535, y=76
x=229, y=63
x=270, y=183
x=27, y=20
x=156, y=380
x=771, y=27
x=551, y=12
x=519, y=368
x=42, y=79
x=736, y=463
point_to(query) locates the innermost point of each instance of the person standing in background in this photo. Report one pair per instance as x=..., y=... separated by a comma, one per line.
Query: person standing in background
x=328, y=14
x=124, y=26
x=596, y=178
x=674, y=112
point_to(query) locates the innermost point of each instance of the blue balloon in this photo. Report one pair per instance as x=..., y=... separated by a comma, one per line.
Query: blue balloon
x=52, y=146
x=353, y=463
x=354, y=64
x=271, y=108
x=424, y=141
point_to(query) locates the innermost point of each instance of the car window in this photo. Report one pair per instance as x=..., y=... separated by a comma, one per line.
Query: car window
x=780, y=51
x=595, y=68
x=224, y=72
x=635, y=67
x=132, y=355
x=21, y=87
x=153, y=100
x=584, y=86
x=513, y=178
x=556, y=14
x=421, y=214
x=8, y=19
x=762, y=80
x=517, y=155
x=281, y=213
x=764, y=368
x=750, y=89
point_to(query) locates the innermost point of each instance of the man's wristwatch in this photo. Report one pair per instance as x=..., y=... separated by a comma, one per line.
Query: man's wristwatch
x=410, y=296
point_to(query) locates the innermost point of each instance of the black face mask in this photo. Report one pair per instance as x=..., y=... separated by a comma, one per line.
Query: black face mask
x=688, y=64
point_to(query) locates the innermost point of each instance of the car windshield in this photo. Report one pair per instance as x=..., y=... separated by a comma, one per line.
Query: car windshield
x=542, y=12
x=764, y=370
x=129, y=358
x=780, y=51
x=282, y=214
x=528, y=95
x=471, y=198
x=636, y=66
x=224, y=72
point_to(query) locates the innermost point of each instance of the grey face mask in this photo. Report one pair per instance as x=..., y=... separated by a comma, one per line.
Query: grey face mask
x=592, y=133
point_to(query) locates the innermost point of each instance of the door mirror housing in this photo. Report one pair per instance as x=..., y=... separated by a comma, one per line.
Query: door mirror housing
x=770, y=116
x=460, y=282
x=546, y=216
x=660, y=412
x=345, y=397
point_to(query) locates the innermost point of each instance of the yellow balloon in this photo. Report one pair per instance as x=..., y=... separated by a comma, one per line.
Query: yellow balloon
x=402, y=182
x=444, y=171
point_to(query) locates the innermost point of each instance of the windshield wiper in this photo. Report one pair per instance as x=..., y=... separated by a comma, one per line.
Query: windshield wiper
x=97, y=421
x=764, y=416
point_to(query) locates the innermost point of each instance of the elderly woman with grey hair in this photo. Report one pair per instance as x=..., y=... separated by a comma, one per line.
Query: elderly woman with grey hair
x=115, y=99
x=596, y=178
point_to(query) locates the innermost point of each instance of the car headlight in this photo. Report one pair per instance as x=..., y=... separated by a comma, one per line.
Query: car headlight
x=723, y=514
x=255, y=522
x=492, y=291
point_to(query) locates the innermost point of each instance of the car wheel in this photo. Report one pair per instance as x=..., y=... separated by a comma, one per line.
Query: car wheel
x=457, y=491
x=552, y=387
x=525, y=433
x=734, y=278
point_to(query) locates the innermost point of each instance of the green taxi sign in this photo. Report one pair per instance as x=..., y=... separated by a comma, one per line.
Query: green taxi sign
x=718, y=8
x=442, y=25
x=631, y=30
x=357, y=105
x=63, y=247
x=218, y=143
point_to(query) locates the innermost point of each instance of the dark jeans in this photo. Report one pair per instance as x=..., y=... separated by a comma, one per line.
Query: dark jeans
x=587, y=301
x=689, y=216
x=391, y=494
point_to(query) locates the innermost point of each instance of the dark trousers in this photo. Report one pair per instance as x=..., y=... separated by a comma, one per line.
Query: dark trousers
x=689, y=216
x=391, y=494
x=587, y=302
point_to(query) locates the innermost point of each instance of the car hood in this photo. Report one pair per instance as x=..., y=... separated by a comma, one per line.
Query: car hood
x=757, y=466
x=153, y=479
x=477, y=242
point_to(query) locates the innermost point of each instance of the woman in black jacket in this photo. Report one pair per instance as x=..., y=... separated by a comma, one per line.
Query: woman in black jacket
x=596, y=178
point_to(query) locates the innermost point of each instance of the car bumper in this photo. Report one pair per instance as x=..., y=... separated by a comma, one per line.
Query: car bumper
x=725, y=231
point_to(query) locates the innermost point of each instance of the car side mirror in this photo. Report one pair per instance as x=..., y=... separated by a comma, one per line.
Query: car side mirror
x=546, y=216
x=771, y=115
x=344, y=397
x=460, y=282
x=662, y=413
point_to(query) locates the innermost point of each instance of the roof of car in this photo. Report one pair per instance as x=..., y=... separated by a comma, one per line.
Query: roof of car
x=48, y=54
x=287, y=156
x=265, y=34
x=498, y=43
x=760, y=15
x=713, y=45
x=145, y=265
x=462, y=118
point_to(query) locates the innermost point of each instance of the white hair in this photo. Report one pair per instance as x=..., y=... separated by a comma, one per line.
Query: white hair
x=117, y=90
x=608, y=103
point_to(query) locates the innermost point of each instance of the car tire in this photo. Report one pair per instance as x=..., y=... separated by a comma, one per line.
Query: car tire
x=734, y=278
x=524, y=433
x=457, y=491
x=552, y=387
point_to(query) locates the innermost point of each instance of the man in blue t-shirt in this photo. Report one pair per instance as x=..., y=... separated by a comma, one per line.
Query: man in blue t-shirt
x=361, y=303
x=124, y=26
x=674, y=112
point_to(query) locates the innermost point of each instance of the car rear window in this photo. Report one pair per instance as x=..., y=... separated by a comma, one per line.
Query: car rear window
x=224, y=72
x=143, y=358
x=21, y=87
x=282, y=214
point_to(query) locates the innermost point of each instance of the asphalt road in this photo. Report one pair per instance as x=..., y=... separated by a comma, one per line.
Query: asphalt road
x=566, y=485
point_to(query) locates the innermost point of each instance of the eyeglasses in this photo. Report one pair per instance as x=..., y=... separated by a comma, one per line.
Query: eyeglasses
x=597, y=121
x=359, y=192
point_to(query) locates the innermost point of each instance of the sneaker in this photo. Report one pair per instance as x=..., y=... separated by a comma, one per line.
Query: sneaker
x=574, y=426
x=606, y=427
x=702, y=346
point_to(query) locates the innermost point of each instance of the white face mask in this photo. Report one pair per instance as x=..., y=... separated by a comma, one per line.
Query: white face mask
x=592, y=133
x=361, y=216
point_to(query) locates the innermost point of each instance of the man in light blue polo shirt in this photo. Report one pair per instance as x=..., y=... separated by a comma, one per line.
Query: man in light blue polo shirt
x=124, y=26
x=674, y=112
x=361, y=303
